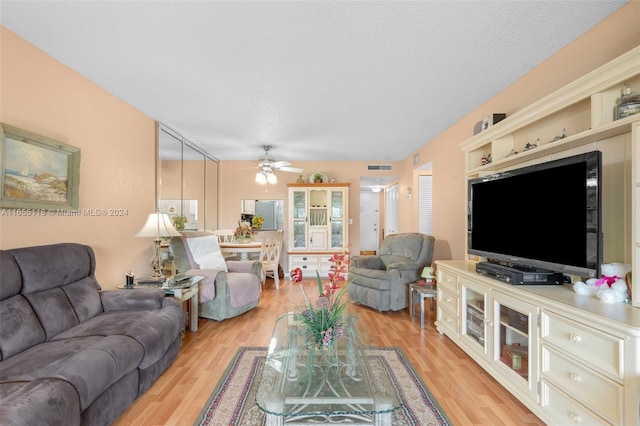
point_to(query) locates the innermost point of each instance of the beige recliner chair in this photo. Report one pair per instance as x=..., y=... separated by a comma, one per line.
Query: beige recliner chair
x=381, y=282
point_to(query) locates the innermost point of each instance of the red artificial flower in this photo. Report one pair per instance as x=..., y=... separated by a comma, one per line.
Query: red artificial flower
x=296, y=275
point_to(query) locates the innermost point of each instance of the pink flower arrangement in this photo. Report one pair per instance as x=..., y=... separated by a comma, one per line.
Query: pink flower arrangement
x=324, y=320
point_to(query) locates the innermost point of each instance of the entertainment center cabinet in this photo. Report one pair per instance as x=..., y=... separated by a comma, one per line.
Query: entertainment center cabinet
x=569, y=358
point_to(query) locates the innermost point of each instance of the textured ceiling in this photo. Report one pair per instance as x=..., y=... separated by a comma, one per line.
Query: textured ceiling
x=322, y=81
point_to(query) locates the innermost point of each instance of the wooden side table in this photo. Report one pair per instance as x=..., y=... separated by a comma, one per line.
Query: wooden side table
x=423, y=292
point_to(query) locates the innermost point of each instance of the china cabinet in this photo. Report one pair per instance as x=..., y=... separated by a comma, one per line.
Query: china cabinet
x=318, y=224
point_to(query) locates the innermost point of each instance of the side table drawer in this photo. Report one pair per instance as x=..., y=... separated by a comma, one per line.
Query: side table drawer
x=602, y=395
x=603, y=351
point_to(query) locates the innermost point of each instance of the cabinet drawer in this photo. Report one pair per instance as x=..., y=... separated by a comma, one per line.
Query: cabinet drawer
x=448, y=281
x=448, y=301
x=304, y=259
x=447, y=322
x=602, y=395
x=602, y=351
x=567, y=410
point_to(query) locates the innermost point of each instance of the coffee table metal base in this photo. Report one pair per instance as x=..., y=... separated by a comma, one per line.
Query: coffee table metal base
x=278, y=401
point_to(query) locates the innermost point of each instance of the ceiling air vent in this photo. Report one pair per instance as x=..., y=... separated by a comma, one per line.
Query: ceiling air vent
x=371, y=167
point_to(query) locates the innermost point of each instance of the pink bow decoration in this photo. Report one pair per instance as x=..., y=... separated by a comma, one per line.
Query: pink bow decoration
x=607, y=279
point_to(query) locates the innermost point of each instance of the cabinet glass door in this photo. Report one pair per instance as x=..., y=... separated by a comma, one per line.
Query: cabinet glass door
x=475, y=315
x=515, y=332
x=338, y=214
x=299, y=219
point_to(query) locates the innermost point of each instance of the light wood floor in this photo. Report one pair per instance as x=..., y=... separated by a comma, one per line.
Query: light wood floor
x=467, y=394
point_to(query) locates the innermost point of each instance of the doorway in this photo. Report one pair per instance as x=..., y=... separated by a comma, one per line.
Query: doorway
x=369, y=222
x=391, y=210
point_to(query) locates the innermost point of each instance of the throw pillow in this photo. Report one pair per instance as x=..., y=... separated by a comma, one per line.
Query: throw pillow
x=206, y=252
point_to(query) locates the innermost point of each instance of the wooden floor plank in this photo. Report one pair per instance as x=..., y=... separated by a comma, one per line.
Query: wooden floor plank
x=463, y=389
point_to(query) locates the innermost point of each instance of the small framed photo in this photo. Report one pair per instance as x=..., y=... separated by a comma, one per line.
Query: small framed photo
x=37, y=172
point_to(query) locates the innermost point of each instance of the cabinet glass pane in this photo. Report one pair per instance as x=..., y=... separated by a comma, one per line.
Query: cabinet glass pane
x=337, y=231
x=514, y=340
x=299, y=234
x=337, y=204
x=299, y=205
x=475, y=316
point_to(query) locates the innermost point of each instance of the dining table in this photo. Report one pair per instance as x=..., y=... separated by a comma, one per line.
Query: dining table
x=243, y=249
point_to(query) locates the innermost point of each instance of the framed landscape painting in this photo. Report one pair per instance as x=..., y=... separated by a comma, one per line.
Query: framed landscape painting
x=37, y=172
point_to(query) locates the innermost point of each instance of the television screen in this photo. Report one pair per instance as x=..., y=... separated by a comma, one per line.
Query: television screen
x=545, y=216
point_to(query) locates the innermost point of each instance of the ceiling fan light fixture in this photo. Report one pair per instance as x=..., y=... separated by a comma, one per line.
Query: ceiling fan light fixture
x=271, y=178
x=261, y=178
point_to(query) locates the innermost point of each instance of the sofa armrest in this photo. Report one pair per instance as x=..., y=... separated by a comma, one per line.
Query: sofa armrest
x=134, y=299
x=244, y=266
x=367, y=262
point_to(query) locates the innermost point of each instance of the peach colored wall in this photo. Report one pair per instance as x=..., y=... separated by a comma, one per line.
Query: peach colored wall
x=117, y=165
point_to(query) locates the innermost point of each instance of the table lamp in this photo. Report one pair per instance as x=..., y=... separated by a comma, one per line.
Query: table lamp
x=427, y=274
x=157, y=226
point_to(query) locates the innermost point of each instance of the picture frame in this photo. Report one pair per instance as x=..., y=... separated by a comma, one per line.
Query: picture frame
x=37, y=172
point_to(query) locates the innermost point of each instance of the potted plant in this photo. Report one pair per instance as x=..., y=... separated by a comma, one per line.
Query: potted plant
x=179, y=222
x=317, y=177
x=257, y=221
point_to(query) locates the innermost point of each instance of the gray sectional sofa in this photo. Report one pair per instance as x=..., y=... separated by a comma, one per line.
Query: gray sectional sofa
x=71, y=354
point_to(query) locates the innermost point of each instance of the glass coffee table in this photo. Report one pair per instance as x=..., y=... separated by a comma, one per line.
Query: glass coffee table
x=300, y=385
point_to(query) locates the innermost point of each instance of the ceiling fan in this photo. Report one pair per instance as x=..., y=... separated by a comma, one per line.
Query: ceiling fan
x=267, y=165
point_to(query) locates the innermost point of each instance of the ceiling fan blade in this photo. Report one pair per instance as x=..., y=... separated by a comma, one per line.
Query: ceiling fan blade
x=280, y=164
x=291, y=169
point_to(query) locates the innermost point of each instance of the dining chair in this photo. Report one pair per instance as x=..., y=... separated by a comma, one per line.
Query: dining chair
x=271, y=247
x=226, y=236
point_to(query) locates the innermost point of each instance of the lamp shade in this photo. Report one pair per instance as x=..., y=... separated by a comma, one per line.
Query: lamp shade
x=272, y=179
x=427, y=273
x=158, y=225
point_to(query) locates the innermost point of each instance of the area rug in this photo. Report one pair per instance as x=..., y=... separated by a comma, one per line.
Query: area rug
x=233, y=400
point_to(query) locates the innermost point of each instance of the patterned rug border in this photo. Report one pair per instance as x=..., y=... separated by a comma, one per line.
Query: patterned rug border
x=228, y=376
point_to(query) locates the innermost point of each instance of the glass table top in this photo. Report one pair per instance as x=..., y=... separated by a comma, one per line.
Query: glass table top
x=309, y=384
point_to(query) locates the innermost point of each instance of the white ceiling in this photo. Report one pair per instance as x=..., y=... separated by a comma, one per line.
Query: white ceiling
x=318, y=80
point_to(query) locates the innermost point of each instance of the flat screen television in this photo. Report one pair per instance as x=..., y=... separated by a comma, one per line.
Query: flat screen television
x=547, y=216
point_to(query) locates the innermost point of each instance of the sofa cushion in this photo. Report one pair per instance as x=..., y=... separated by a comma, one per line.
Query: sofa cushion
x=46, y=267
x=10, y=278
x=90, y=364
x=41, y=402
x=20, y=328
x=155, y=330
x=398, y=248
x=205, y=251
x=53, y=310
x=84, y=296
